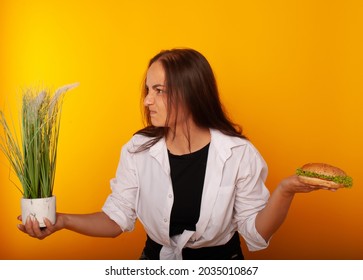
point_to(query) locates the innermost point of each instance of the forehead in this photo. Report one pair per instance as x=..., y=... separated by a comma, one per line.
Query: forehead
x=155, y=74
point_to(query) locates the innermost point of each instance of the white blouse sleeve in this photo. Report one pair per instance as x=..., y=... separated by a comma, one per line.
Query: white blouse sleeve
x=251, y=197
x=120, y=204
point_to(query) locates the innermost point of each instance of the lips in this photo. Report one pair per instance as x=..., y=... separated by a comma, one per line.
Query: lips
x=152, y=112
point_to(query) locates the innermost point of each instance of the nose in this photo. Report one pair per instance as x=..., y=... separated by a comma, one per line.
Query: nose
x=149, y=100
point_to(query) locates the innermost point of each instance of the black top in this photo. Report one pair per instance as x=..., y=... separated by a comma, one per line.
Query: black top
x=187, y=176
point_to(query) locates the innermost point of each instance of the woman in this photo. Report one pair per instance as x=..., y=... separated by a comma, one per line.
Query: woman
x=190, y=176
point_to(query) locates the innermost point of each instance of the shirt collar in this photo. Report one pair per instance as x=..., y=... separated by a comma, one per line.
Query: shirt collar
x=222, y=144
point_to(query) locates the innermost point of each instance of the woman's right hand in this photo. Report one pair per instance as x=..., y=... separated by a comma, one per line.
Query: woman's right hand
x=94, y=224
x=32, y=228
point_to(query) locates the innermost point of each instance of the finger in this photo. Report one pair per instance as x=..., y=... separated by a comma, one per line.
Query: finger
x=48, y=230
x=316, y=187
x=308, y=188
x=21, y=228
x=29, y=226
x=48, y=224
x=304, y=187
x=36, y=229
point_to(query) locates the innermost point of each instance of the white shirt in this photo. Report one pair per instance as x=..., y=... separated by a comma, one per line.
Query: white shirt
x=234, y=192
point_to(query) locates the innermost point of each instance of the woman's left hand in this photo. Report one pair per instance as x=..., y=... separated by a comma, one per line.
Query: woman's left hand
x=292, y=185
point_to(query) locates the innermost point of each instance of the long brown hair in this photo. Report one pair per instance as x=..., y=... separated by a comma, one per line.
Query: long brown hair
x=190, y=82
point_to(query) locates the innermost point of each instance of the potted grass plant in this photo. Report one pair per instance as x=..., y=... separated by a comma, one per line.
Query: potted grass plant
x=33, y=155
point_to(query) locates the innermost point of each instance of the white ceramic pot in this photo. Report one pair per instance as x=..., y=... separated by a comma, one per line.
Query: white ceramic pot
x=39, y=208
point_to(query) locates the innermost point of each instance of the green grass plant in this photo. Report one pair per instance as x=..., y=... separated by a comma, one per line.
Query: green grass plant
x=33, y=155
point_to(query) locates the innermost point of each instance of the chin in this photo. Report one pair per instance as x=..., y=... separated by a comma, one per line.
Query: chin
x=156, y=124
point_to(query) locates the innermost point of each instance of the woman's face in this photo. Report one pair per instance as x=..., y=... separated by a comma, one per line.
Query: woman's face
x=156, y=98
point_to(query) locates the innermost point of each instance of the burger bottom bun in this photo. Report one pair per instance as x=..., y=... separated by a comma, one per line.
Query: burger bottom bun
x=320, y=182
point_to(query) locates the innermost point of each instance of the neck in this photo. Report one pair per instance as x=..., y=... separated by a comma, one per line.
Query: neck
x=187, y=139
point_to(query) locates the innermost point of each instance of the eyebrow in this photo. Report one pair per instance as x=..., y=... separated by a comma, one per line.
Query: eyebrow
x=155, y=86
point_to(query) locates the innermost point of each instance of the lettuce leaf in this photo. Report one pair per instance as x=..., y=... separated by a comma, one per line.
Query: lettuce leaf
x=344, y=180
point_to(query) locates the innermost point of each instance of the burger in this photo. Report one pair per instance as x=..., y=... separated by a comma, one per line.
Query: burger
x=324, y=175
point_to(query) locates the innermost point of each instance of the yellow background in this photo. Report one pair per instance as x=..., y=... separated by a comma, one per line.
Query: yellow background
x=290, y=72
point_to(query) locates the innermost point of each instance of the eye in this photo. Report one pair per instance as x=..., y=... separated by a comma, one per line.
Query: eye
x=159, y=91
